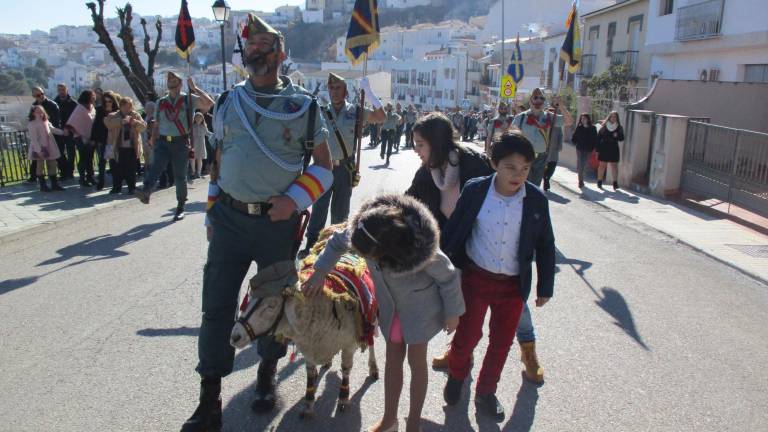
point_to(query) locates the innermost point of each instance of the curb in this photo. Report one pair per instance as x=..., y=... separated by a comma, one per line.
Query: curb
x=692, y=246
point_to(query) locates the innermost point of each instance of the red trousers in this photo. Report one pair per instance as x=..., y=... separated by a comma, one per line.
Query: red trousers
x=481, y=291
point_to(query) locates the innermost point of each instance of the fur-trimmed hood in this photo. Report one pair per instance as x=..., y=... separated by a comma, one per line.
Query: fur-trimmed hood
x=424, y=232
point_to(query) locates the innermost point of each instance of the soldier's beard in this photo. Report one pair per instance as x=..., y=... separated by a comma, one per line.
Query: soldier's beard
x=259, y=65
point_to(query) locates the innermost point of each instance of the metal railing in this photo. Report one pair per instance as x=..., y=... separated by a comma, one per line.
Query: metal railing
x=727, y=164
x=588, y=65
x=628, y=58
x=14, y=163
x=699, y=21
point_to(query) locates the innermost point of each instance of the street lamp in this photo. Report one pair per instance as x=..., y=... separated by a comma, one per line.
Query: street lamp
x=221, y=15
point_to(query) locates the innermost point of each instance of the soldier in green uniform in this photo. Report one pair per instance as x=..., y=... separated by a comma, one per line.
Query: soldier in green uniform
x=340, y=118
x=388, y=131
x=170, y=136
x=262, y=127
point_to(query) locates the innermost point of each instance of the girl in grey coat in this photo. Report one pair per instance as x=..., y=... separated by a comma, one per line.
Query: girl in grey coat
x=417, y=288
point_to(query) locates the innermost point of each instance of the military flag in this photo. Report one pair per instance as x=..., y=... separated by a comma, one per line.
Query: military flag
x=515, y=68
x=570, y=53
x=185, y=34
x=363, y=35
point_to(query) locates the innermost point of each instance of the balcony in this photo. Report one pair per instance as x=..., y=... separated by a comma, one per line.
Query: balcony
x=699, y=21
x=587, y=65
x=628, y=58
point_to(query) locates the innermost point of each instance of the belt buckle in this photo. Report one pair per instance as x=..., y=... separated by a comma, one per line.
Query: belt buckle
x=254, y=209
x=169, y=138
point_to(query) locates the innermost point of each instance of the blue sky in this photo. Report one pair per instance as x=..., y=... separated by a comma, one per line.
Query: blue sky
x=19, y=19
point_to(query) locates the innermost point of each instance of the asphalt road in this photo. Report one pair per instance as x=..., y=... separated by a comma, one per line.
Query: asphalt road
x=98, y=325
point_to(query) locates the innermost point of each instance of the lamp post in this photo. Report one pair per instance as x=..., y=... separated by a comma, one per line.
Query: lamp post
x=221, y=14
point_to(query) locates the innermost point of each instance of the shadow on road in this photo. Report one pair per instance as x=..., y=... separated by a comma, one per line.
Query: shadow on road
x=524, y=412
x=609, y=300
x=381, y=167
x=556, y=198
x=456, y=416
x=93, y=249
x=9, y=285
x=103, y=247
x=239, y=416
x=612, y=302
x=178, y=331
x=597, y=195
x=195, y=207
x=578, y=266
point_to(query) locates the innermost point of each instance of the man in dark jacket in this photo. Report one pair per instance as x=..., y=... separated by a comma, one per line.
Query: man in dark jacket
x=54, y=117
x=66, y=106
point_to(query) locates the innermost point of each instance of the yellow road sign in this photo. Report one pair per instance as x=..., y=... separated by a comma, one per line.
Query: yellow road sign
x=508, y=87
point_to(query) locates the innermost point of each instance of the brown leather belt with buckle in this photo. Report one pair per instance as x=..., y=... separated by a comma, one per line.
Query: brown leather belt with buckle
x=251, y=209
x=495, y=276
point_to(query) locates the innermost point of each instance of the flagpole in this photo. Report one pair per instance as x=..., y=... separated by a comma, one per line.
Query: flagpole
x=359, y=120
x=501, y=68
x=189, y=107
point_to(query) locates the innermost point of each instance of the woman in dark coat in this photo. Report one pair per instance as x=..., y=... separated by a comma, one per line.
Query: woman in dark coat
x=446, y=166
x=608, y=148
x=585, y=138
x=109, y=104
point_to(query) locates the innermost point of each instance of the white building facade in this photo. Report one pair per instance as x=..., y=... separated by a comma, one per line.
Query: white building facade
x=713, y=40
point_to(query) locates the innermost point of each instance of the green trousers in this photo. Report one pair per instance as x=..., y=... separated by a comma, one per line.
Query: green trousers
x=238, y=240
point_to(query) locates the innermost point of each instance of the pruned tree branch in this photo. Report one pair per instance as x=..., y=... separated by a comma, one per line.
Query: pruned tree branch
x=139, y=79
x=151, y=53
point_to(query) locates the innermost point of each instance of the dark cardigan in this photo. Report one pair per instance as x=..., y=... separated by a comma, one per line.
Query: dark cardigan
x=471, y=164
x=585, y=138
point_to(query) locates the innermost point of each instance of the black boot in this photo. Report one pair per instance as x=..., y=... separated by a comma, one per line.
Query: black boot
x=546, y=184
x=599, y=184
x=55, y=183
x=43, y=184
x=265, y=387
x=452, y=390
x=615, y=186
x=179, y=214
x=207, y=416
x=491, y=406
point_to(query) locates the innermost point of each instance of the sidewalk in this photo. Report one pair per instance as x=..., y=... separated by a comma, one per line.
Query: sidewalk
x=25, y=210
x=720, y=238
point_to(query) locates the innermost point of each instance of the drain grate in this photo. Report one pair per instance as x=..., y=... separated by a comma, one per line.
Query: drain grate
x=756, y=251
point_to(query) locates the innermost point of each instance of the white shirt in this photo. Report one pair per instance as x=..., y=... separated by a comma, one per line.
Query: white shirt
x=495, y=237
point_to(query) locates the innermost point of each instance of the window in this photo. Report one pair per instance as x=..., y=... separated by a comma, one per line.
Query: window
x=756, y=73
x=594, y=32
x=446, y=72
x=666, y=7
x=453, y=94
x=611, y=34
x=636, y=18
x=453, y=73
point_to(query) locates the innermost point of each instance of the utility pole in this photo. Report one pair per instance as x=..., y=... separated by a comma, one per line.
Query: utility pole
x=501, y=67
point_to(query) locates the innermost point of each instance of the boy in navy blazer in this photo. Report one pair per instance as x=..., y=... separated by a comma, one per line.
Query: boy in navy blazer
x=500, y=223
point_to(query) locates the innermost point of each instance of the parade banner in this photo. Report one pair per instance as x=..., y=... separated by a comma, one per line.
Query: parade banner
x=185, y=34
x=515, y=68
x=363, y=35
x=570, y=53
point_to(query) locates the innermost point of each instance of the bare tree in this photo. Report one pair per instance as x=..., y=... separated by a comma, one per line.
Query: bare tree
x=140, y=80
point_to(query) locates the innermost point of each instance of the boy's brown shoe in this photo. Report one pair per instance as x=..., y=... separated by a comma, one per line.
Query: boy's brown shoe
x=533, y=371
x=441, y=361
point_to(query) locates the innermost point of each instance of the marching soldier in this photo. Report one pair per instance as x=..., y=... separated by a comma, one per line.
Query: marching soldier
x=267, y=128
x=341, y=118
x=170, y=137
x=497, y=125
